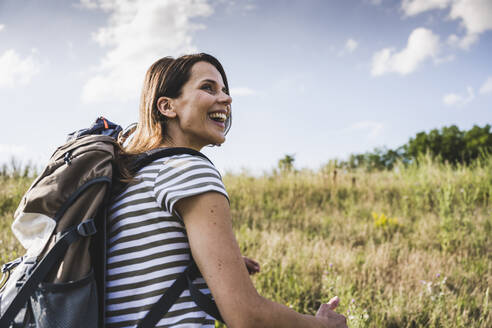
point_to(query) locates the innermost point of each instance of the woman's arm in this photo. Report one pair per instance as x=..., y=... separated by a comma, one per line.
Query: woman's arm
x=216, y=252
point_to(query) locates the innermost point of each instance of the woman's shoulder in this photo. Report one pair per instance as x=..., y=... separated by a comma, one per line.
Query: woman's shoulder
x=182, y=168
x=181, y=176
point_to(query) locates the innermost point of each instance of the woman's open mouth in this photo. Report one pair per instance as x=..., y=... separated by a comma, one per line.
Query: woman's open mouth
x=218, y=117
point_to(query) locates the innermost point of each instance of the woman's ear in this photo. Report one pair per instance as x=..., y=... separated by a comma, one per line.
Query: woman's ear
x=164, y=105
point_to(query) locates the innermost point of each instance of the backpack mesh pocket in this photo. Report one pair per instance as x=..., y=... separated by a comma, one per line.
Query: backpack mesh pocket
x=66, y=305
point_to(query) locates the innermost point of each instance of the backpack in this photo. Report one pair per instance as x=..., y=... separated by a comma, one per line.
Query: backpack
x=61, y=221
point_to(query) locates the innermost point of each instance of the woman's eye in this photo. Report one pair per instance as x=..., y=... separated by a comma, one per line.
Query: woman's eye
x=207, y=87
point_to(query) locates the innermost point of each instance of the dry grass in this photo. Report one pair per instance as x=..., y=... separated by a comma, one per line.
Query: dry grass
x=426, y=263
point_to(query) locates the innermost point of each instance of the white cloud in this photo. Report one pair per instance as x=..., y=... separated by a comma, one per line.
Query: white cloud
x=351, y=45
x=373, y=129
x=136, y=35
x=446, y=59
x=464, y=43
x=415, y=7
x=454, y=99
x=374, y=2
x=476, y=15
x=2, y=27
x=89, y=4
x=242, y=91
x=486, y=86
x=16, y=71
x=422, y=44
x=249, y=7
x=476, y=18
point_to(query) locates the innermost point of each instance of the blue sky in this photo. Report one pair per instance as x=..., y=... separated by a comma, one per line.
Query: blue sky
x=318, y=79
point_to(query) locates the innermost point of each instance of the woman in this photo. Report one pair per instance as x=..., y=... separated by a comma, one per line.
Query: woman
x=178, y=205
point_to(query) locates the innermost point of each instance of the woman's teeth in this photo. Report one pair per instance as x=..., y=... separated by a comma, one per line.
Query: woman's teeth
x=219, y=117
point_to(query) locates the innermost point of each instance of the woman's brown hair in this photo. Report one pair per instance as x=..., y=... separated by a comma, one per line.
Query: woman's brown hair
x=165, y=78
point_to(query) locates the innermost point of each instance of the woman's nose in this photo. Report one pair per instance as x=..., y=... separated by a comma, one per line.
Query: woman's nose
x=225, y=98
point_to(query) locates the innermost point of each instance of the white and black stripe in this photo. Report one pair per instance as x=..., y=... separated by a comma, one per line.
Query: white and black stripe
x=147, y=243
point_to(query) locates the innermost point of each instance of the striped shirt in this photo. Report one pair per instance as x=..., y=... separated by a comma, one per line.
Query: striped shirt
x=147, y=243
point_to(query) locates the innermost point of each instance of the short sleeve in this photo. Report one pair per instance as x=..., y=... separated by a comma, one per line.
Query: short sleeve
x=185, y=176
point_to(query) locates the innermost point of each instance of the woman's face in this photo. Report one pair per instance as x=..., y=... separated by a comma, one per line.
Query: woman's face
x=197, y=117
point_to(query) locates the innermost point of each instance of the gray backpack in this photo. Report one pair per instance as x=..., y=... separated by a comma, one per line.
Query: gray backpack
x=60, y=281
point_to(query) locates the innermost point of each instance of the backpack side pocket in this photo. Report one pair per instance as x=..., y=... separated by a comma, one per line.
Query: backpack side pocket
x=71, y=304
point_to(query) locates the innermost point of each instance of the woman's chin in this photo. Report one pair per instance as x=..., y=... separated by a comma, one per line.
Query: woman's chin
x=214, y=140
x=220, y=140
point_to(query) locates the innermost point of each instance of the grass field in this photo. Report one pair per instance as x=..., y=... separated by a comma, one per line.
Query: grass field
x=404, y=248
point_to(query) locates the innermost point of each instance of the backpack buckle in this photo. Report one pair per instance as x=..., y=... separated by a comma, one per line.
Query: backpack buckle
x=12, y=264
x=87, y=228
x=68, y=158
x=30, y=264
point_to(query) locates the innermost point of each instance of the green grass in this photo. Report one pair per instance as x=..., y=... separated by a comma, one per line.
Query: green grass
x=12, y=188
x=404, y=248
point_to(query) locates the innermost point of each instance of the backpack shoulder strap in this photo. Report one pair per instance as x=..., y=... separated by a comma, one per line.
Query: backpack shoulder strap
x=148, y=157
x=166, y=301
x=184, y=280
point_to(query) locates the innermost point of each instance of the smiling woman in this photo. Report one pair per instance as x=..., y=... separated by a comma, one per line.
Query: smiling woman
x=176, y=212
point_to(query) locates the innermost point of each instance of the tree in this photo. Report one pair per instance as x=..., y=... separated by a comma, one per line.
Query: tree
x=286, y=164
x=449, y=144
x=477, y=142
x=378, y=159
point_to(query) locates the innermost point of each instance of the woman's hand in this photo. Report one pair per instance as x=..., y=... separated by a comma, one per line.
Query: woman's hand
x=329, y=317
x=252, y=266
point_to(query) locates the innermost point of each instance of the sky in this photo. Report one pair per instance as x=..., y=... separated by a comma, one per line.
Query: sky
x=316, y=79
